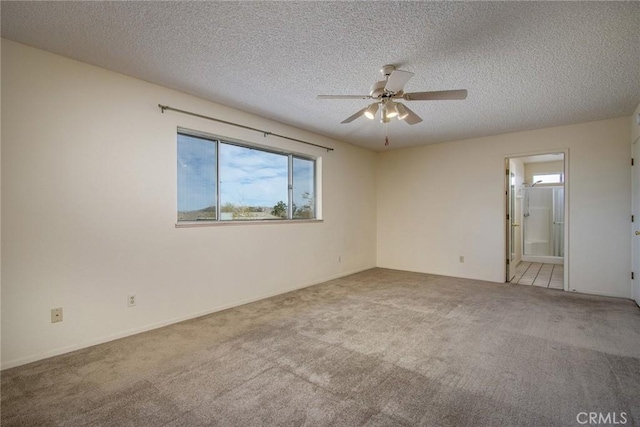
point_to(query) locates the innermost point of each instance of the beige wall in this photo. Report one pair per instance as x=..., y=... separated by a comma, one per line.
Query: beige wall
x=89, y=207
x=438, y=202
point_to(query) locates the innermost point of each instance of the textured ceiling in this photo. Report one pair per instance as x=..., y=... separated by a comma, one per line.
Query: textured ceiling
x=526, y=65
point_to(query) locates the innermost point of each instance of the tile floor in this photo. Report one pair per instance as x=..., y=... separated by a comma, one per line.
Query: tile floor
x=538, y=274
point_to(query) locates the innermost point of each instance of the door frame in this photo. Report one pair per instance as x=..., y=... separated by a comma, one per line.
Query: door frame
x=635, y=226
x=567, y=209
x=509, y=217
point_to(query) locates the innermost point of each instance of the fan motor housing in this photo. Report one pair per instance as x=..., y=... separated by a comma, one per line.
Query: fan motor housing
x=377, y=89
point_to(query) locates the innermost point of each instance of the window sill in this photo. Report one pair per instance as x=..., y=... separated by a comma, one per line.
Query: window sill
x=192, y=224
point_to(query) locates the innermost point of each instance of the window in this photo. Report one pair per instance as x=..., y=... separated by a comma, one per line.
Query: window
x=196, y=179
x=226, y=181
x=303, y=181
x=549, y=178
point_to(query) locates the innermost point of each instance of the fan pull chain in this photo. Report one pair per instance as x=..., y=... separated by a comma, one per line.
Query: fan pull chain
x=386, y=138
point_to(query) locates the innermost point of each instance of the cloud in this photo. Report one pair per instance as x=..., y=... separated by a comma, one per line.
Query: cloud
x=196, y=173
x=252, y=177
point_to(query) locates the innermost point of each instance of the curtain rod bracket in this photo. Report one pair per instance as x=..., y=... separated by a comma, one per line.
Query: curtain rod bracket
x=264, y=132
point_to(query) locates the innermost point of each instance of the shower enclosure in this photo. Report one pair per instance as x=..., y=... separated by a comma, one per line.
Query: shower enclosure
x=543, y=218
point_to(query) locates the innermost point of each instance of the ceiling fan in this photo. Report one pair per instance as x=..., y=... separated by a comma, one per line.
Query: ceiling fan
x=385, y=92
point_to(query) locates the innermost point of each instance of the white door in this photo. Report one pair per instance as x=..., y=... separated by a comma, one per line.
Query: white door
x=636, y=223
x=512, y=220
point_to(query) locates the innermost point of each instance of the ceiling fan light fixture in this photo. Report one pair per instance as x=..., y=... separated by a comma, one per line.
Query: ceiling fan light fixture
x=370, y=113
x=402, y=112
x=390, y=109
x=384, y=118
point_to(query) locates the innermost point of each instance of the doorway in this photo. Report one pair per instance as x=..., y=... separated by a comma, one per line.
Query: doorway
x=536, y=218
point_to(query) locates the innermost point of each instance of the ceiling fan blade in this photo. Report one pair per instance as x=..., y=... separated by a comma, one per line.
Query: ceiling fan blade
x=355, y=116
x=397, y=80
x=412, y=118
x=439, y=95
x=343, y=97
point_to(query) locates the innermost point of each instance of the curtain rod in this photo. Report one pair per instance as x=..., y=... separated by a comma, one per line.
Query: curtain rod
x=263, y=132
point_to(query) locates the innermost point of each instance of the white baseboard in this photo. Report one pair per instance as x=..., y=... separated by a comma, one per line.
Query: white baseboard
x=599, y=293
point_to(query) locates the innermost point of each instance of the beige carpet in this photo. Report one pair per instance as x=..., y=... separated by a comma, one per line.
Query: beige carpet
x=378, y=348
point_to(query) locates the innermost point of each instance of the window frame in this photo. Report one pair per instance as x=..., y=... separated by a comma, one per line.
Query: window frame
x=542, y=174
x=291, y=155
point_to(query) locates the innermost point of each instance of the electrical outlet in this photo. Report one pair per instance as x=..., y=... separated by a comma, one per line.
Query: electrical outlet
x=461, y=259
x=132, y=300
x=56, y=315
